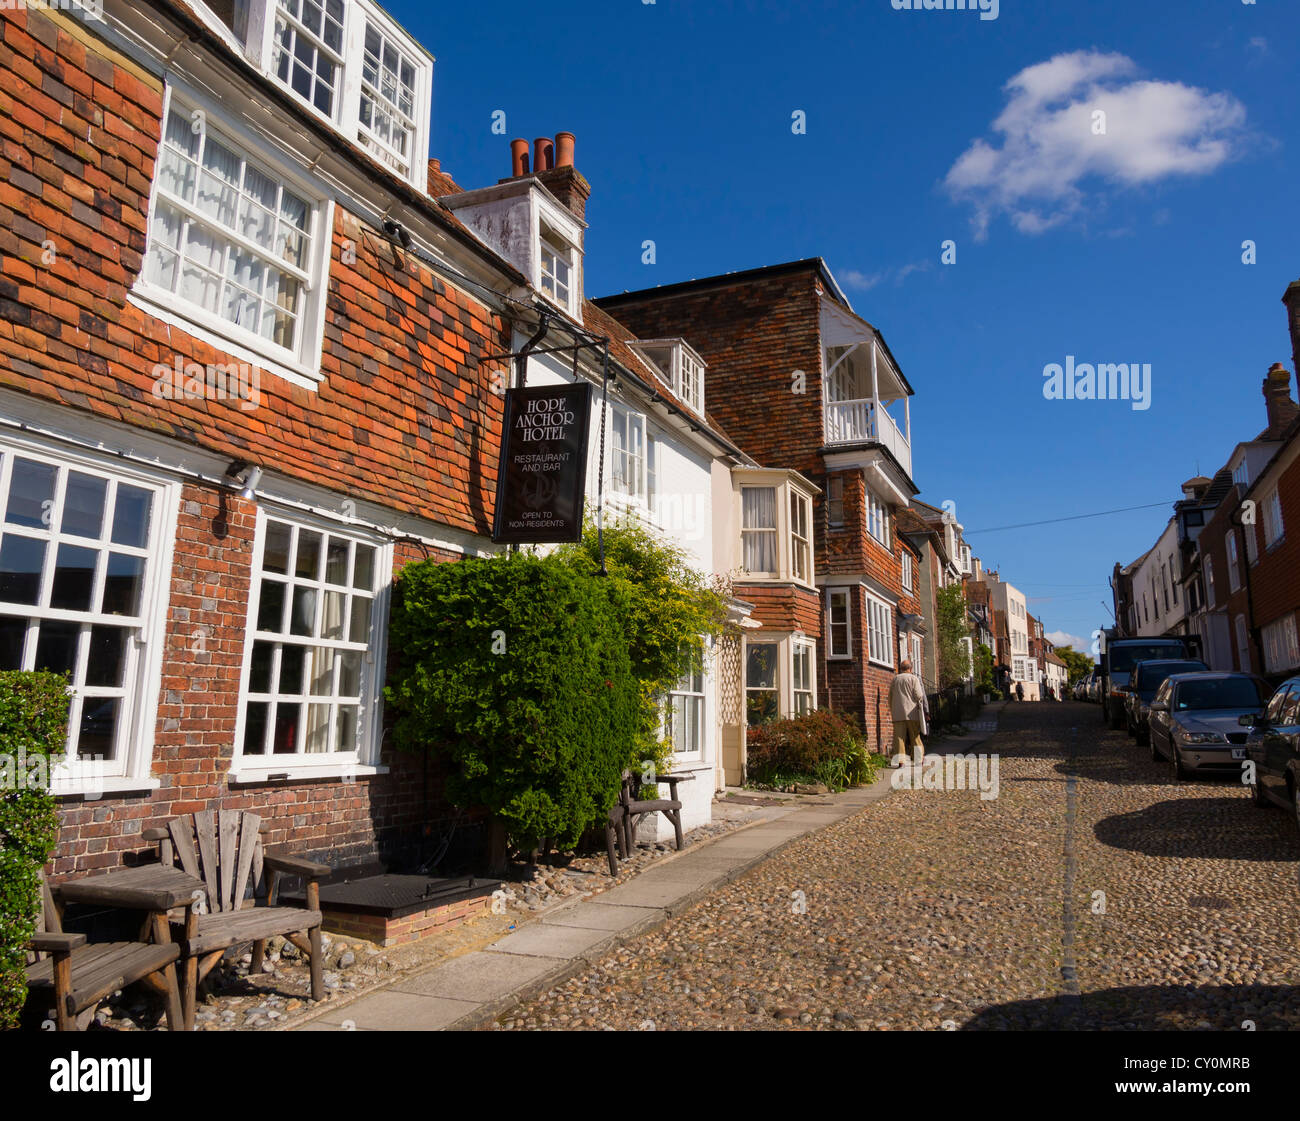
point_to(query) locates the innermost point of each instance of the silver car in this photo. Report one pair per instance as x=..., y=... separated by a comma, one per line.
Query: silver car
x=1194, y=721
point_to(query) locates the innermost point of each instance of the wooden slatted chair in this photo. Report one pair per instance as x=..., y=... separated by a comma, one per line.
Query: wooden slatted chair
x=224, y=849
x=630, y=809
x=77, y=974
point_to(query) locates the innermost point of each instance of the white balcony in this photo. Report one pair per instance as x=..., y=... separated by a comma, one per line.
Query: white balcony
x=864, y=421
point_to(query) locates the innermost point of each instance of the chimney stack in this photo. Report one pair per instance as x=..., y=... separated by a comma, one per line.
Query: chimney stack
x=553, y=166
x=518, y=158
x=543, y=154
x=1292, y=301
x=1277, y=395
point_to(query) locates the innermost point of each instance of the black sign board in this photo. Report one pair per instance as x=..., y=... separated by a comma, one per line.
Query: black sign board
x=543, y=471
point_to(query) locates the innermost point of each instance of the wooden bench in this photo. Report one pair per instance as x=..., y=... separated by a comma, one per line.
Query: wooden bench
x=629, y=811
x=78, y=974
x=224, y=849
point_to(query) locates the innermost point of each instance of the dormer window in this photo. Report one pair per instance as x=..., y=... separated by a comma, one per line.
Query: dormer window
x=679, y=367
x=349, y=63
x=557, y=268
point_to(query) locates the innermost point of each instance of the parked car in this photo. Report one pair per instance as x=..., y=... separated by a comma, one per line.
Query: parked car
x=1273, y=745
x=1195, y=720
x=1093, y=692
x=1146, y=678
x=1118, y=657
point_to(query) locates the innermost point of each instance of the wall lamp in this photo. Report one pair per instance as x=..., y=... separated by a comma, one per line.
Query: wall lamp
x=247, y=477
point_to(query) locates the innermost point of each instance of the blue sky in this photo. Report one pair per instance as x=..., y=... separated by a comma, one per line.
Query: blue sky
x=1125, y=247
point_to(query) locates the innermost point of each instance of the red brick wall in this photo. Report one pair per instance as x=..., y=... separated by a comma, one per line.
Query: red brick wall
x=1274, y=583
x=785, y=607
x=753, y=335
x=340, y=822
x=404, y=417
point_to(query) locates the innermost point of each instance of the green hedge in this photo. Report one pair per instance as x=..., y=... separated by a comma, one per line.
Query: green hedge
x=516, y=670
x=33, y=727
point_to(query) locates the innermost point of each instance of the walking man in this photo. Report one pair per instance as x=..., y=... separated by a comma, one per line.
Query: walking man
x=1020, y=690
x=907, y=705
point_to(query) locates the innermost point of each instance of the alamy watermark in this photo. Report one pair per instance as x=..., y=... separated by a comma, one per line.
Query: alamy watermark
x=189, y=381
x=988, y=9
x=1106, y=381
x=84, y=773
x=950, y=772
x=91, y=9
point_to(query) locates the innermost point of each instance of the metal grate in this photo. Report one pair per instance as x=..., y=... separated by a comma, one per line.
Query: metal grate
x=395, y=895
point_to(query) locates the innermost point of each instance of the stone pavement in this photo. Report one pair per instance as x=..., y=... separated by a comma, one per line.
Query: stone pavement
x=473, y=990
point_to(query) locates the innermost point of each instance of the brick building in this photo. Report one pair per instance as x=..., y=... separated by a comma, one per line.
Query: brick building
x=249, y=342
x=802, y=381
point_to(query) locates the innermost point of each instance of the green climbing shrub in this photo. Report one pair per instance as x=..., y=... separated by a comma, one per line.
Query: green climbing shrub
x=33, y=729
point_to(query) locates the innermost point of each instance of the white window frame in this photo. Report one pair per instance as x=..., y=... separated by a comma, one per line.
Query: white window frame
x=880, y=632
x=300, y=366
x=779, y=683
x=142, y=679
x=1234, y=568
x=835, y=501
x=773, y=530
x=698, y=698
x=1252, y=544
x=877, y=517
x=553, y=249
x=346, y=115
x=801, y=548
x=1281, y=647
x=907, y=575
x=365, y=759
x=918, y=654
x=803, y=650
x=836, y=652
x=628, y=478
x=1208, y=565
x=1274, y=527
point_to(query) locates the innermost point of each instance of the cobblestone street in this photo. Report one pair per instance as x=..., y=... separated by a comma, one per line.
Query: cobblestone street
x=1094, y=892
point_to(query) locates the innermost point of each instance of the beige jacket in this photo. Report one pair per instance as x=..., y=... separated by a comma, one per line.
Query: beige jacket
x=907, y=697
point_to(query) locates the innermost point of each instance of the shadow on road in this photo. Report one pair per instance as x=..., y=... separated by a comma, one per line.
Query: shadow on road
x=1215, y=828
x=1148, y=1008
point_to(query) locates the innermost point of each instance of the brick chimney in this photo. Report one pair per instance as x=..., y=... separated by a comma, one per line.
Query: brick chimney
x=553, y=167
x=1292, y=301
x=1277, y=397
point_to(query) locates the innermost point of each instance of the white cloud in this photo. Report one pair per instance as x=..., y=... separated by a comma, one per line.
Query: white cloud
x=855, y=278
x=1048, y=152
x=1259, y=43
x=863, y=281
x=1064, y=638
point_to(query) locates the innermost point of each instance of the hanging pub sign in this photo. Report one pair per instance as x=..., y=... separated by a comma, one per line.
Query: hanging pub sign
x=543, y=473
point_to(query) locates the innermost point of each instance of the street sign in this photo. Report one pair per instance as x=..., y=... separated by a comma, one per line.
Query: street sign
x=543, y=472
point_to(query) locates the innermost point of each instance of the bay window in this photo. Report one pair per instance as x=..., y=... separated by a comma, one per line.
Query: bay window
x=684, y=719
x=83, y=571
x=350, y=64
x=800, y=538
x=762, y=684
x=802, y=682
x=311, y=684
x=758, y=530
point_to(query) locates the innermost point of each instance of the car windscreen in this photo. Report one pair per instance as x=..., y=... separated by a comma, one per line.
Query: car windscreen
x=1219, y=692
x=1123, y=658
x=1149, y=676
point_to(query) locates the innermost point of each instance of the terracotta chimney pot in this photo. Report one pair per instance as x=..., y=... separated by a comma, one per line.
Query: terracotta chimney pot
x=543, y=154
x=518, y=157
x=564, y=142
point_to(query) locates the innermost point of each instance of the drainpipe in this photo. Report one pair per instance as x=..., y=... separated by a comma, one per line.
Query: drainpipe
x=1255, y=637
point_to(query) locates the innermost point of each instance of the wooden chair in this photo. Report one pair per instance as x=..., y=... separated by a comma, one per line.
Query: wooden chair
x=224, y=849
x=630, y=810
x=78, y=974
